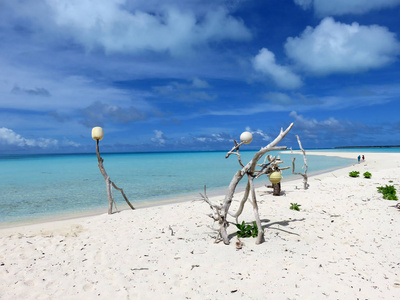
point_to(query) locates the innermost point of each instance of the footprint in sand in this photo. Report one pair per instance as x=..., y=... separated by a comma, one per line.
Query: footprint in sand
x=88, y=287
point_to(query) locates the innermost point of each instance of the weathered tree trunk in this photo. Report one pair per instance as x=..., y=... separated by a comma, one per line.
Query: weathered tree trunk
x=277, y=189
x=109, y=195
x=109, y=183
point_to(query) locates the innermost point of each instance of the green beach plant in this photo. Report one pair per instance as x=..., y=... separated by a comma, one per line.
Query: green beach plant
x=295, y=206
x=247, y=230
x=367, y=175
x=354, y=174
x=388, y=191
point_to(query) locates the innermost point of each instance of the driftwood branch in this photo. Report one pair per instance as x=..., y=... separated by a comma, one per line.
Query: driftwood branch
x=260, y=236
x=304, y=175
x=235, y=148
x=109, y=183
x=242, y=203
x=235, y=151
x=249, y=170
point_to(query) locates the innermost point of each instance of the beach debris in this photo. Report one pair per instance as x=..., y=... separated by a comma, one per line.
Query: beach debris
x=97, y=135
x=239, y=244
x=221, y=211
x=305, y=166
x=274, y=173
x=275, y=178
x=172, y=231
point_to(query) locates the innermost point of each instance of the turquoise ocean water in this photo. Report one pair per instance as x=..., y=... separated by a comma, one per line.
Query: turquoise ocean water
x=42, y=187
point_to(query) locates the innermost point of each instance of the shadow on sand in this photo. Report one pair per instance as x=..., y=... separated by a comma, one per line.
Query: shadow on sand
x=270, y=226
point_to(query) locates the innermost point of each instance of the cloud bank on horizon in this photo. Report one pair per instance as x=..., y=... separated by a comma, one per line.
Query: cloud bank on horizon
x=343, y=7
x=189, y=75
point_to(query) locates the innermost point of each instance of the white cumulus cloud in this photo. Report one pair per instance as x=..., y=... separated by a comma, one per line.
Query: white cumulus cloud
x=111, y=26
x=258, y=133
x=159, y=137
x=11, y=138
x=214, y=138
x=304, y=3
x=304, y=123
x=283, y=77
x=334, y=47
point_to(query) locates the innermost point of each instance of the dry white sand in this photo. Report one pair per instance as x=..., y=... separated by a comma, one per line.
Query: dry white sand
x=343, y=244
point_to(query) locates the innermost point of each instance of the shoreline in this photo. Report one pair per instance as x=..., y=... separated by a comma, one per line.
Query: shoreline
x=214, y=193
x=342, y=244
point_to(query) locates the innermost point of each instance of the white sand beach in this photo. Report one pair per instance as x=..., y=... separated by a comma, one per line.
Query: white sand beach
x=344, y=243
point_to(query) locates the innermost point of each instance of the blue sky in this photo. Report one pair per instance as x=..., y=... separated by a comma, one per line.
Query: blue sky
x=168, y=75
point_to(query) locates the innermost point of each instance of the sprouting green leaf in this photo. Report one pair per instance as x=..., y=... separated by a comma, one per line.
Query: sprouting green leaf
x=247, y=230
x=295, y=206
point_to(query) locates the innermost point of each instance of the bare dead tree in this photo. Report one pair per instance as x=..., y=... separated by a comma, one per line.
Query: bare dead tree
x=305, y=166
x=221, y=211
x=109, y=183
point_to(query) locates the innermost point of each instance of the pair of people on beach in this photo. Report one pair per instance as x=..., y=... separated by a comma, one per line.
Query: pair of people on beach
x=359, y=157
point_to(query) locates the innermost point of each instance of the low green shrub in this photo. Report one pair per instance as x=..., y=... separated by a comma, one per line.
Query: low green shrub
x=388, y=191
x=354, y=174
x=247, y=230
x=295, y=206
x=367, y=175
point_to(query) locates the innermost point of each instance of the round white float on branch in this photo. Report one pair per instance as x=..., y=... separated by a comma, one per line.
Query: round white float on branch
x=246, y=137
x=97, y=133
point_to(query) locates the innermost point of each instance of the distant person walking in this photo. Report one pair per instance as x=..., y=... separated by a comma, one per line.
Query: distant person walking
x=363, y=157
x=359, y=157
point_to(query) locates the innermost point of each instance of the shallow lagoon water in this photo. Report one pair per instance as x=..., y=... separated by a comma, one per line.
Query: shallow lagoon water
x=45, y=186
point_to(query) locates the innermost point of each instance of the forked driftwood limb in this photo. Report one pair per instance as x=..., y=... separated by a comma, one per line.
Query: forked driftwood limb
x=109, y=183
x=304, y=175
x=220, y=212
